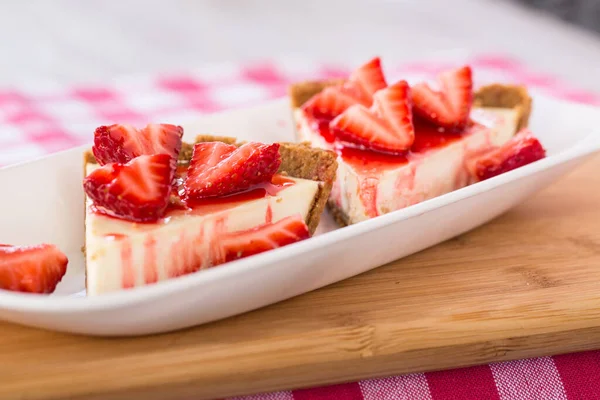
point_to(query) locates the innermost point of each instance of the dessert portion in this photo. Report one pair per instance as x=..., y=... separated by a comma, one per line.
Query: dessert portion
x=399, y=145
x=157, y=208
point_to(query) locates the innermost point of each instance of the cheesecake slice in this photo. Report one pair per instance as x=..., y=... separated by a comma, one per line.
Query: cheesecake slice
x=399, y=145
x=192, y=234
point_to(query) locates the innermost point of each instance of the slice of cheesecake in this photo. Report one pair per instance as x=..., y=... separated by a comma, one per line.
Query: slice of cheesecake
x=204, y=223
x=399, y=145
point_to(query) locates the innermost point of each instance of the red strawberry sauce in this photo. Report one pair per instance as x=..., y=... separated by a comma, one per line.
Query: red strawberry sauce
x=427, y=137
x=214, y=204
x=369, y=163
x=262, y=190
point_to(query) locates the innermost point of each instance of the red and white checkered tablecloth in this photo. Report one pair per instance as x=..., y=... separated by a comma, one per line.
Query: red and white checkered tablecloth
x=41, y=118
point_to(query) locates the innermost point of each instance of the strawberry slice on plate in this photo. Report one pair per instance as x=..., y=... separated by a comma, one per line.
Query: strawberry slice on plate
x=358, y=89
x=450, y=105
x=122, y=143
x=136, y=191
x=524, y=148
x=218, y=169
x=387, y=126
x=262, y=238
x=31, y=269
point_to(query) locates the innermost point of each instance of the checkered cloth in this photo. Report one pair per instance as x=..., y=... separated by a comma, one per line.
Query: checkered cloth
x=40, y=118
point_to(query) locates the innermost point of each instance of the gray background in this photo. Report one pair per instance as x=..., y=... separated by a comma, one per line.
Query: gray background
x=585, y=13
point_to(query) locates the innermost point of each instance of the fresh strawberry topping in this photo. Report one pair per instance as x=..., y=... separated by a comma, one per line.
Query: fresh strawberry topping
x=521, y=150
x=331, y=102
x=136, y=191
x=262, y=238
x=122, y=143
x=368, y=79
x=449, y=106
x=218, y=169
x=359, y=89
x=387, y=126
x=32, y=269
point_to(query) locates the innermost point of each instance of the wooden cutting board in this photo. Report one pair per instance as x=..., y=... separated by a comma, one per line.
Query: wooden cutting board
x=526, y=284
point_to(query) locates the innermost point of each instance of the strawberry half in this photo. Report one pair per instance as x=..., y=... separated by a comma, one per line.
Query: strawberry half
x=387, y=126
x=122, y=143
x=331, y=102
x=368, y=79
x=265, y=237
x=136, y=191
x=31, y=269
x=359, y=89
x=521, y=150
x=450, y=106
x=218, y=169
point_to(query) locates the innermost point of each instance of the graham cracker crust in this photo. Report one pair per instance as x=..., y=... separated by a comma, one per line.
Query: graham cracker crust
x=493, y=95
x=506, y=96
x=298, y=160
x=339, y=216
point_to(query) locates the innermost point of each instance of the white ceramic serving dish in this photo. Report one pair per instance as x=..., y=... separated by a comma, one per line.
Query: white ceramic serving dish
x=45, y=204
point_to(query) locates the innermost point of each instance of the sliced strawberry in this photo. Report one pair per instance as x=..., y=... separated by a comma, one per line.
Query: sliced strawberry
x=369, y=79
x=265, y=237
x=449, y=106
x=207, y=155
x=217, y=169
x=122, y=143
x=358, y=89
x=329, y=103
x=387, y=126
x=32, y=269
x=521, y=150
x=136, y=191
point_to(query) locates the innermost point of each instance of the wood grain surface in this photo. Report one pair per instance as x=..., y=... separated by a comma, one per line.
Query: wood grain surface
x=526, y=284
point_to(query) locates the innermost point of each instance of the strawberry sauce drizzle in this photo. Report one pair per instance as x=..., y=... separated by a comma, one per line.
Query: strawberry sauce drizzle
x=213, y=204
x=321, y=125
x=115, y=236
x=368, y=195
x=427, y=137
x=128, y=272
x=150, y=267
x=269, y=215
x=177, y=206
x=186, y=254
x=216, y=253
x=369, y=164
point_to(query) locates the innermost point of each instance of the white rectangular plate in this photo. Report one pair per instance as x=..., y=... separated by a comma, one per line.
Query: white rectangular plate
x=44, y=203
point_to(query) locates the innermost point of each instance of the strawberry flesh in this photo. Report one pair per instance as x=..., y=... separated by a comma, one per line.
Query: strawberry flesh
x=524, y=148
x=136, y=191
x=262, y=238
x=331, y=102
x=218, y=169
x=358, y=89
x=450, y=106
x=387, y=126
x=31, y=269
x=122, y=143
x=368, y=79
